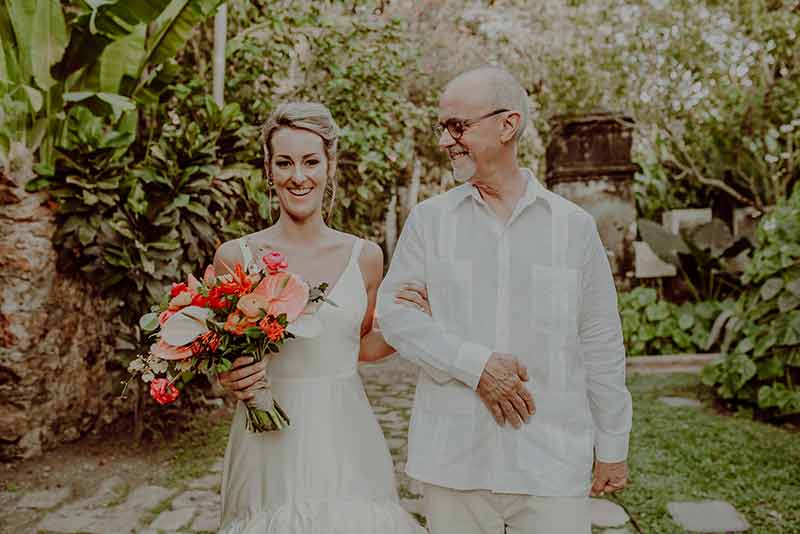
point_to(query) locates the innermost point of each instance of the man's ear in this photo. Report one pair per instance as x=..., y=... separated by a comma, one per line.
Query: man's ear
x=510, y=126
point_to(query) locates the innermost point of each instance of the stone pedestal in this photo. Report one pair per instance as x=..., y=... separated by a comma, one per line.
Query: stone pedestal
x=589, y=163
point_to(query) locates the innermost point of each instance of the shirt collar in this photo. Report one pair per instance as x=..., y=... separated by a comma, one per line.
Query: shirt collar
x=533, y=189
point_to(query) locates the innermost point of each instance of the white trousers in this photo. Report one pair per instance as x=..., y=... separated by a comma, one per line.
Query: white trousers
x=482, y=512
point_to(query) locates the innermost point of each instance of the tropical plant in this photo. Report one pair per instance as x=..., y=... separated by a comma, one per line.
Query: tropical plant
x=359, y=68
x=761, y=346
x=99, y=53
x=712, y=86
x=704, y=256
x=655, y=326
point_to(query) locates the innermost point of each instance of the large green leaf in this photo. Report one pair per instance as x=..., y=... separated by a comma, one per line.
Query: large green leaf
x=49, y=41
x=122, y=57
x=102, y=103
x=175, y=26
x=22, y=14
x=132, y=12
x=9, y=68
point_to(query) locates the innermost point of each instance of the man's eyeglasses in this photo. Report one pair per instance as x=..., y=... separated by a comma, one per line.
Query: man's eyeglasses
x=457, y=127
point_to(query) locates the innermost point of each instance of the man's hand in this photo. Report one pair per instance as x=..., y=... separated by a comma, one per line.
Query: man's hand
x=609, y=477
x=414, y=295
x=242, y=376
x=501, y=388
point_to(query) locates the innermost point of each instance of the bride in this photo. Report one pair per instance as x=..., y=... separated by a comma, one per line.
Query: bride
x=330, y=470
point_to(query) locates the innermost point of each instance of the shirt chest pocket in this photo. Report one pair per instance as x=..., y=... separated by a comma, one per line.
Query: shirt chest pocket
x=450, y=290
x=555, y=300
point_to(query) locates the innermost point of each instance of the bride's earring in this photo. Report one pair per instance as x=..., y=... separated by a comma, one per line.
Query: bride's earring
x=270, y=185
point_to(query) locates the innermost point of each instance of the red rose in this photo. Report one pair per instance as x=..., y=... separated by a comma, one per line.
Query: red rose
x=162, y=391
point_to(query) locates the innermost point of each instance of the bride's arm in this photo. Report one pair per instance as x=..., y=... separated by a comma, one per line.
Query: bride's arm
x=373, y=345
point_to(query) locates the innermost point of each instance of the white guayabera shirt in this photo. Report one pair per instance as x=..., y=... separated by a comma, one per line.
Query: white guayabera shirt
x=538, y=287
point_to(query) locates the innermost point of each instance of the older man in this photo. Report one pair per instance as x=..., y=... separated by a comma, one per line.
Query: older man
x=523, y=383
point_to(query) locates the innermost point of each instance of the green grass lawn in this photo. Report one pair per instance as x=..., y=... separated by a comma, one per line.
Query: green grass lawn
x=694, y=454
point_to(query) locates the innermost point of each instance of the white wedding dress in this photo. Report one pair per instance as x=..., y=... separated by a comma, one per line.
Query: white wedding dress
x=330, y=471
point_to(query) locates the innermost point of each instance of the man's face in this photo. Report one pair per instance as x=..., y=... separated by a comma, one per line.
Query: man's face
x=479, y=142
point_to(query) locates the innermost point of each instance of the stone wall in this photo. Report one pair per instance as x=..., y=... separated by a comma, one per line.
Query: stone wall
x=56, y=335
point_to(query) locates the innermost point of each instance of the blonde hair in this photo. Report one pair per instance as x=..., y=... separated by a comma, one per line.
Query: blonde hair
x=310, y=116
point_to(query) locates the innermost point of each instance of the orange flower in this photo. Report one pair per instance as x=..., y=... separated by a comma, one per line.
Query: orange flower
x=237, y=323
x=271, y=327
x=207, y=342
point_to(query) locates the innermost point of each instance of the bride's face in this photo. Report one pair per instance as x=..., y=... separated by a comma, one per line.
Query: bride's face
x=299, y=170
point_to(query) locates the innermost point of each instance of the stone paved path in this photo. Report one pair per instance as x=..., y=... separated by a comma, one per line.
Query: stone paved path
x=193, y=506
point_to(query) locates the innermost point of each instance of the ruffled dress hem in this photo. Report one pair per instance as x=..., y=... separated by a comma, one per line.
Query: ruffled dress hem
x=327, y=517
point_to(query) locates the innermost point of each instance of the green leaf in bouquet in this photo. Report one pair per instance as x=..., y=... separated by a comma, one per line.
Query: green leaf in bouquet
x=186, y=376
x=148, y=322
x=254, y=333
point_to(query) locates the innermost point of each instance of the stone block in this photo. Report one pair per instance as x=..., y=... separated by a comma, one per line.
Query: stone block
x=648, y=265
x=685, y=219
x=42, y=500
x=604, y=513
x=707, y=516
x=173, y=519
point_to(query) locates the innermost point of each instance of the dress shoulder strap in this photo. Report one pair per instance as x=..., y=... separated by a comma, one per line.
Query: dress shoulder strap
x=247, y=256
x=356, y=253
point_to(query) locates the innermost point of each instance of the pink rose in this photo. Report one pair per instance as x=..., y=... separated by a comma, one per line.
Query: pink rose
x=162, y=391
x=275, y=262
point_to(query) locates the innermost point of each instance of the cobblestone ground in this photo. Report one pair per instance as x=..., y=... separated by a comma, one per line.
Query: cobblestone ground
x=119, y=506
x=116, y=507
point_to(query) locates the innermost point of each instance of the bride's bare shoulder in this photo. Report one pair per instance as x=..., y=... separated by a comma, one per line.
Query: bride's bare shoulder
x=371, y=262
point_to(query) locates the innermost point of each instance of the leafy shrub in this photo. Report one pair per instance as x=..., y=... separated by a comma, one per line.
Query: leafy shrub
x=355, y=65
x=653, y=326
x=762, y=340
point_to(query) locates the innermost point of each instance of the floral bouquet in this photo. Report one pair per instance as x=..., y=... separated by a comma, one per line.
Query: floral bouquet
x=201, y=326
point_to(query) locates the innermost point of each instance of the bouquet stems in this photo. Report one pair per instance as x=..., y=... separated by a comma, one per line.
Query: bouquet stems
x=264, y=414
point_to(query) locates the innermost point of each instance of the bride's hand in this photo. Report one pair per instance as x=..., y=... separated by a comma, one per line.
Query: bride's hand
x=243, y=375
x=414, y=295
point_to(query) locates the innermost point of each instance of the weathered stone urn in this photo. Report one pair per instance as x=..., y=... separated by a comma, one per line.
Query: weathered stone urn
x=589, y=162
